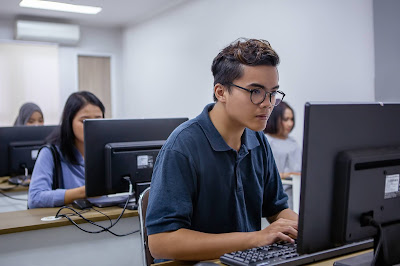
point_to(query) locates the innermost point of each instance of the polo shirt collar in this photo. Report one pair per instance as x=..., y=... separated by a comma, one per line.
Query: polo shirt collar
x=249, y=138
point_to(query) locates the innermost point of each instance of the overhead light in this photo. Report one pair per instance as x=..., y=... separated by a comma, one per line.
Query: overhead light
x=60, y=6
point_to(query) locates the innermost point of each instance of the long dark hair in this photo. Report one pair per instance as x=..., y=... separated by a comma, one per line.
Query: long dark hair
x=276, y=117
x=64, y=136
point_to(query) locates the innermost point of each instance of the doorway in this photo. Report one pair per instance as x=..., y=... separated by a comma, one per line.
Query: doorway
x=94, y=75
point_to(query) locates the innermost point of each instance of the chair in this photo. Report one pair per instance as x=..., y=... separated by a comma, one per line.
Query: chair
x=295, y=182
x=142, y=208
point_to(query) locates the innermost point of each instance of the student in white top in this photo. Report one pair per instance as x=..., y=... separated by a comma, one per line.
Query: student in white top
x=287, y=152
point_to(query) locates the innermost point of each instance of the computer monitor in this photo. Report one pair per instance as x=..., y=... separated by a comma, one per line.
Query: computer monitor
x=122, y=147
x=130, y=159
x=351, y=167
x=19, y=147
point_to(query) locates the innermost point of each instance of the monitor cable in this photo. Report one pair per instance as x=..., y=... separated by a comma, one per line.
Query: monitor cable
x=2, y=190
x=8, y=196
x=103, y=229
x=368, y=220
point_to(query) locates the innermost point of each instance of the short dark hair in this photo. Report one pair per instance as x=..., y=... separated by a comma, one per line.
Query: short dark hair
x=227, y=65
x=275, y=119
x=64, y=136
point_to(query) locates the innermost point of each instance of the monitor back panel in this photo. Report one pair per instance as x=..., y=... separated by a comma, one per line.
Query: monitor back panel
x=99, y=132
x=19, y=134
x=328, y=129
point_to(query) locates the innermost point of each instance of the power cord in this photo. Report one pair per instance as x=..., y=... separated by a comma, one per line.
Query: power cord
x=368, y=220
x=8, y=196
x=8, y=189
x=103, y=229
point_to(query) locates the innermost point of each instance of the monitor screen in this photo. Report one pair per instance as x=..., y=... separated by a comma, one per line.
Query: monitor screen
x=334, y=195
x=19, y=147
x=101, y=134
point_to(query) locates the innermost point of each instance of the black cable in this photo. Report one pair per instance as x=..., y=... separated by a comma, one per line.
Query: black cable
x=108, y=217
x=81, y=216
x=8, y=188
x=103, y=229
x=379, y=245
x=5, y=195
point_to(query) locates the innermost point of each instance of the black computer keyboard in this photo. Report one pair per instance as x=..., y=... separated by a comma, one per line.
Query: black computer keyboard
x=286, y=254
x=266, y=255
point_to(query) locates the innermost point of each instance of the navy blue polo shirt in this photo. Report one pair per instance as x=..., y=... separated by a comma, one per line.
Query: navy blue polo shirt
x=202, y=184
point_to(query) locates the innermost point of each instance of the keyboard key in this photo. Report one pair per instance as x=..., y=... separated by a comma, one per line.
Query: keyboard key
x=264, y=255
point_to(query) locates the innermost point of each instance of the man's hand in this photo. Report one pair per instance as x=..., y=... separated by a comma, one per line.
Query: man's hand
x=280, y=230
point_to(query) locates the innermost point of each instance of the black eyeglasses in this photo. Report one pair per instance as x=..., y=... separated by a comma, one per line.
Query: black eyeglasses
x=258, y=95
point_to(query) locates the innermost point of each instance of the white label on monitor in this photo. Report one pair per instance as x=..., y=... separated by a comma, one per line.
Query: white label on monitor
x=144, y=161
x=34, y=154
x=392, y=189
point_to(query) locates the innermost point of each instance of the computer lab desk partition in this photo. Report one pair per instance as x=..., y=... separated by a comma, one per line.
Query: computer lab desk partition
x=27, y=240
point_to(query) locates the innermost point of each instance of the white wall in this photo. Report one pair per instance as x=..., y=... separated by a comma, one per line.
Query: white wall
x=387, y=55
x=27, y=72
x=326, y=50
x=94, y=41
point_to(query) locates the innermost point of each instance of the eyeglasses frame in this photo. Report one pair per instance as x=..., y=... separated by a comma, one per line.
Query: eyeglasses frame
x=265, y=95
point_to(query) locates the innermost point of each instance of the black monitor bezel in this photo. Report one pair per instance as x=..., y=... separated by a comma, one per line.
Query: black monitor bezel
x=20, y=134
x=99, y=132
x=330, y=128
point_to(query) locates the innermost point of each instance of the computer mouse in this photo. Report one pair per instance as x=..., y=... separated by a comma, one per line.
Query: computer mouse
x=82, y=204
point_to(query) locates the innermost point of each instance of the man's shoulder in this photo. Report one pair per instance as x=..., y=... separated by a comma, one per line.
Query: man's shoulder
x=184, y=134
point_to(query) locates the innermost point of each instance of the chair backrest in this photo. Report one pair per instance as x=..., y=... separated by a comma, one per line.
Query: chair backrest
x=142, y=208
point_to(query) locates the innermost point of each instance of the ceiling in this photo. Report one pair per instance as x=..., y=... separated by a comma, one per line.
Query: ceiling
x=115, y=13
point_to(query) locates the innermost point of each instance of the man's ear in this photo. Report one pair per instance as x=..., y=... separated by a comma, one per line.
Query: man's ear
x=220, y=92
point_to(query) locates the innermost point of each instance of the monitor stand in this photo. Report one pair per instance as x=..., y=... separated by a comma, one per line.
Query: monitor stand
x=129, y=206
x=105, y=201
x=389, y=251
x=22, y=180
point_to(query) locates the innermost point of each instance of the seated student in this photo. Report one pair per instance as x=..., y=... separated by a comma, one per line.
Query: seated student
x=286, y=150
x=215, y=177
x=69, y=144
x=30, y=114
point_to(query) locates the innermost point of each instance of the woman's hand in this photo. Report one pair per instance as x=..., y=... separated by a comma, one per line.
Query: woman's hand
x=73, y=194
x=288, y=174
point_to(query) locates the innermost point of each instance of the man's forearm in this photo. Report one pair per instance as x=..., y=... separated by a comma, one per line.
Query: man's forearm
x=185, y=244
x=285, y=214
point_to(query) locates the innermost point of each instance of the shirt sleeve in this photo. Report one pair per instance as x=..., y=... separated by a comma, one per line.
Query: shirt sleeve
x=172, y=192
x=41, y=194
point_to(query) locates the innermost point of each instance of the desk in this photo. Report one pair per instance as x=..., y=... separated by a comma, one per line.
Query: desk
x=20, y=192
x=26, y=240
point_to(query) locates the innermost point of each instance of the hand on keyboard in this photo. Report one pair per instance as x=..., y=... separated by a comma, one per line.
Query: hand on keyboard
x=280, y=230
x=265, y=255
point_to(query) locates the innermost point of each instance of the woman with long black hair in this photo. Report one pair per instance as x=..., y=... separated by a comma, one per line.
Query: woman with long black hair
x=69, y=145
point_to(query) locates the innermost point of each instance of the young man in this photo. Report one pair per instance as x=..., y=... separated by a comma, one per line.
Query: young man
x=215, y=177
